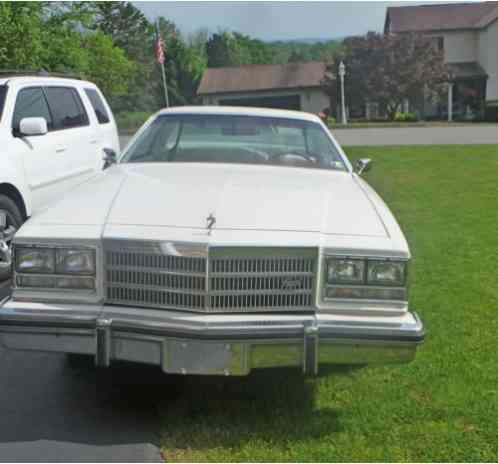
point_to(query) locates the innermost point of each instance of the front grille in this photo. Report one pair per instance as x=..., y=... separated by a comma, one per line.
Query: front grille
x=215, y=280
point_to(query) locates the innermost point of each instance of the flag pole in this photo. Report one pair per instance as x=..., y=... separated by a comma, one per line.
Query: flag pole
x=161, y=62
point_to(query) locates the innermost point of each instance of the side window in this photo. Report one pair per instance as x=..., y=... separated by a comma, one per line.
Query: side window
x=31, y=103
x=98, y=106
x=66, y=108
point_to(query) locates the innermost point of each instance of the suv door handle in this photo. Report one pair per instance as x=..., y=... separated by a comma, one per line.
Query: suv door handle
x=60, y=150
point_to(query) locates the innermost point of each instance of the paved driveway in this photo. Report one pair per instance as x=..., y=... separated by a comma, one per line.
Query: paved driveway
x=465, y=135
x=50, y=412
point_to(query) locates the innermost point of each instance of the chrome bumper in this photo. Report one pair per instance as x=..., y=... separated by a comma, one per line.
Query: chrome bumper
x=209, y=344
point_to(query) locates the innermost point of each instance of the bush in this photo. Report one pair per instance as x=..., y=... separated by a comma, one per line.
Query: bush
x=405, y=117
x=129, y=121
x=330, y=121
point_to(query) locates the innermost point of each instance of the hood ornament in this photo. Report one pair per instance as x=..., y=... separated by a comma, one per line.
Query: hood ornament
x=210, y=222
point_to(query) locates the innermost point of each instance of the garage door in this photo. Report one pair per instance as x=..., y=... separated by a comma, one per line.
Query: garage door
x=289, y=102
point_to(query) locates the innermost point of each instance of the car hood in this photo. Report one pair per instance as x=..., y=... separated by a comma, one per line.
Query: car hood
x=239, y=197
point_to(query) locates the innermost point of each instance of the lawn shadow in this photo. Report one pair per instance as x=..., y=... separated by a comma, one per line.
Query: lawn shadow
x=277, y=406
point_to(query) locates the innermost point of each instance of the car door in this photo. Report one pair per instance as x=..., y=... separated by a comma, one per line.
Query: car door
x=72, y=134
x=106, y=130
x=42, y=167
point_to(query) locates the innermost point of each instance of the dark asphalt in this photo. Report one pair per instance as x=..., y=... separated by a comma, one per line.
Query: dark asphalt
x=52, y=412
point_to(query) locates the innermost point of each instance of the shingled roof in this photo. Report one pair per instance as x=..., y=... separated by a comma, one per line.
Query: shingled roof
x=258, y=77
x=425, y=18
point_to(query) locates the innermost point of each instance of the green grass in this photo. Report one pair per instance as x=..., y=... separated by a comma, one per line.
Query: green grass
x=441, y=407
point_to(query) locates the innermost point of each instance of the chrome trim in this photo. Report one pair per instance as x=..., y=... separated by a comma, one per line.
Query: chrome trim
x=210, y=279
x=183, y=343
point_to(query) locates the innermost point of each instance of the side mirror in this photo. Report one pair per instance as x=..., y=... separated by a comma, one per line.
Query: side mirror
x=33, y=126
x=110, y=157
x=363, y=165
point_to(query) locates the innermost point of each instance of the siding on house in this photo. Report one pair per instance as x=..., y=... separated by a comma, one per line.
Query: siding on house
x=460, y=46
x=488, y=58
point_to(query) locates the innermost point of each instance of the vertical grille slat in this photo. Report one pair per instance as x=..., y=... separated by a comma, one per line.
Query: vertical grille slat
x=226, y=281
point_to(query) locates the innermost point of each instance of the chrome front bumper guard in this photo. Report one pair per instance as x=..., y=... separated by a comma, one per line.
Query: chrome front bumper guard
x=184, y=343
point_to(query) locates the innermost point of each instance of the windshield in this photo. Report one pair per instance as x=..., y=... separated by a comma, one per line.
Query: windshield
x=235, y=139
x=3, y=94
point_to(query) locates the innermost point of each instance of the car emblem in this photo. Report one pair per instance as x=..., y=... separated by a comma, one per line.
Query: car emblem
x=290, y=283
x=210, y=222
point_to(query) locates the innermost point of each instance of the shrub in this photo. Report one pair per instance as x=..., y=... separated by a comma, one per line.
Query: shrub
x=129, y=121
x=330, y=121
x=405, y=117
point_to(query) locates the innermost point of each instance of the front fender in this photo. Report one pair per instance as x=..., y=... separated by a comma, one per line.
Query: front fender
x=12, y=174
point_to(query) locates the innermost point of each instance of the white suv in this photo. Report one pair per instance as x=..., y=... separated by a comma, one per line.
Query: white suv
x=52, y=135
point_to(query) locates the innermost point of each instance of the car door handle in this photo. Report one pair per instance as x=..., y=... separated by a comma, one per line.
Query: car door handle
x=94, y=142
x=60, y=150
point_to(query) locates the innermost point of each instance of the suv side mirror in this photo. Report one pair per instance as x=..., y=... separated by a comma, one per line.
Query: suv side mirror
x=363, y=165
x=33, y=126
x=110, y=157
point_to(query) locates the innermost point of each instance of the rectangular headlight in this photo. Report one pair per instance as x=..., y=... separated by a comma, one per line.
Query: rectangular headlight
x=35, y=260
x=389, y=273
x=345, y=271
x=364, y=278
x=75, y=261
x=53, y=269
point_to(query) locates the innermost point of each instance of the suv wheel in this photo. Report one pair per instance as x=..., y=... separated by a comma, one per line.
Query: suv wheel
x=14, y=221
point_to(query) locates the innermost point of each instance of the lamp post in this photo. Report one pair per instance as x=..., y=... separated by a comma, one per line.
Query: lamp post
x=342, y=73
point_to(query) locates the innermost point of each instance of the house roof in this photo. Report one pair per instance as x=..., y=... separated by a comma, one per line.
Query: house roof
x=257, y=77
x=466, y=70
x=440, y=17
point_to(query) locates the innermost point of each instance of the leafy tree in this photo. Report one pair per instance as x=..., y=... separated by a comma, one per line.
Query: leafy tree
x=21, y=35
x=223, y=49
x=389, y=69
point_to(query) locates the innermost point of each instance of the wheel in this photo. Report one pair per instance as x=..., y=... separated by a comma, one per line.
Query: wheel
x=14, y=221
x=79, y=361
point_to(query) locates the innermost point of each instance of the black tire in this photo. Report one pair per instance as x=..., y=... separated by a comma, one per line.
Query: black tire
x=14, y=218
x=80, y=361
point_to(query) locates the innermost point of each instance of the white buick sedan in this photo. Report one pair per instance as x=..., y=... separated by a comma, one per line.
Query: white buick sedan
x=222, y=240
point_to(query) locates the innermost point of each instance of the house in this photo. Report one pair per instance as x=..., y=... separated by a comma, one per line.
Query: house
x=468, y=35
x=295, y=86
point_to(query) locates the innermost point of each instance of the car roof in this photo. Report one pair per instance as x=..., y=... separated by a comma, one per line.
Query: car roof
x=42, y=79
x=240, y=111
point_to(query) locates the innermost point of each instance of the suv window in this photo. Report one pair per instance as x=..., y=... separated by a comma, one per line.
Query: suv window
x=66, y=107
x=31, y=103
x=98, y=106
x=3, y=94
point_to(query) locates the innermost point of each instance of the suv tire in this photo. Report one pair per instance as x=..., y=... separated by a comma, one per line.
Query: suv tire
x=14, y=220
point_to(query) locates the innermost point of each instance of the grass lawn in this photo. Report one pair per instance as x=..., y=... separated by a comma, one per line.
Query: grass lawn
x=443, y=406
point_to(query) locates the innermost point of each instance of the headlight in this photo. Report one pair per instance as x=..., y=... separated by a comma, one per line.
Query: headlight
x=391, y=273
x=50, y=268
x=347, y=271
x=364, y=278
x=35, y=260
x=70, y=261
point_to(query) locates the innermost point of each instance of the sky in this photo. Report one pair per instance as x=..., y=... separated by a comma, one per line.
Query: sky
x=275, y=20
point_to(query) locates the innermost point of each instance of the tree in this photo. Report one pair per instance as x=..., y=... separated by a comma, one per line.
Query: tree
x=389, y=69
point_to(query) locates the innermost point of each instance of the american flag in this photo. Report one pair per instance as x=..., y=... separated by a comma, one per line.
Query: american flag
x=160, y=50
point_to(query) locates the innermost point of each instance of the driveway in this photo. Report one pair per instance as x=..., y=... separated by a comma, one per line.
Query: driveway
x=51, y=412
x=453, y=135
